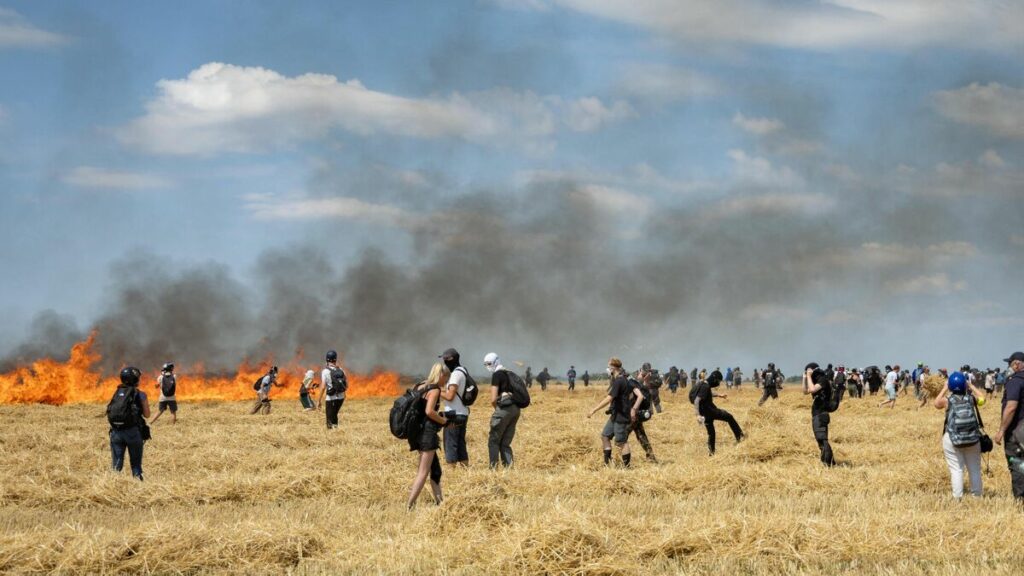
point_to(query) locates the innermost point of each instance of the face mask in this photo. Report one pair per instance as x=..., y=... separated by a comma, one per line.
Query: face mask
x=608, y=371
x=451, y=364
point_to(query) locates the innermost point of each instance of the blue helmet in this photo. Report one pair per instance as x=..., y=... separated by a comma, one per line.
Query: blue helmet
x=957, y=383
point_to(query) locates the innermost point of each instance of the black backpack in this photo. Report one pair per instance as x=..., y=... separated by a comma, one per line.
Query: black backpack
x=258, y=383
x=408, y=413
x=693, y=392
x=643, y=413
x=520, y=395
x=471, y=391
x=167, y=385
x=123, y=409
x=339, y=382
x=654, y=380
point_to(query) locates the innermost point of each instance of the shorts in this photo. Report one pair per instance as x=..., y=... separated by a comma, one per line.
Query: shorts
x=455, y=444
x=169, y=404
x=428, y=439
x=617, y=428
x=890, y=392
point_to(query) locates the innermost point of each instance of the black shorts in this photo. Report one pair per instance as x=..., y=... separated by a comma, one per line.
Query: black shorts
x=171, y=404
x=429, y=438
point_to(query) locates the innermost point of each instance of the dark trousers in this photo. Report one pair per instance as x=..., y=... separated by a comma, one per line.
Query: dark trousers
x=713, y=414
x=130, y=439
x=656, y=399
x=645, y=443
x=819, y=424
x=331, y=409
x=1014, y=452
x=769, y=392
x=572, y=384
x=503, y=430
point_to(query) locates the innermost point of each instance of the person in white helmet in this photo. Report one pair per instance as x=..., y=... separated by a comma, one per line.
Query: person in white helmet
x=505, y=416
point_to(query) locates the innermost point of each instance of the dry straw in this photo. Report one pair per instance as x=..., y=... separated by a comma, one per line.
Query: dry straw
x=227, y=492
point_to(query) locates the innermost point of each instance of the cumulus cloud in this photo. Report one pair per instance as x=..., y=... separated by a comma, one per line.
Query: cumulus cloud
x=995, y=108
x=103, y=179
x=225, y=108
x=663, y=84
x=991, y=159
x=933, y=284
x=17, y=32
x=758, y=171
x=269, y=207
x=757, y=126
x=821, y=25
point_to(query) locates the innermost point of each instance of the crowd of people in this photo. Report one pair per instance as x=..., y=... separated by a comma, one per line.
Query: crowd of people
x=444, y=399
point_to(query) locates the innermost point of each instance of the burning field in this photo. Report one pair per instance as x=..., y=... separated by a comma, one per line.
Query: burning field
x=227, y=492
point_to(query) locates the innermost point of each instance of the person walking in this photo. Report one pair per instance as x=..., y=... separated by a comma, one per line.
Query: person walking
x=168, y=387
x=528, y=377
x=455, y=451
x=650, y=378
x=262, y=404
x=585, y=378
x=623, y=401
x=1011, y=426
x=543, y=377
x=506, y=413
x=570, y=377
x=769, y=383
x=126, y=414
x=426, y=441
x=816, y=384
x=334, y=386
x=890, y=387
x=672, y=379
x=304, y=387
x=706, y=411
x=961, y=435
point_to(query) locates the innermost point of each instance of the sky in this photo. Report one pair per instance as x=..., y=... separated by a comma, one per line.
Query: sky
x=688, y=182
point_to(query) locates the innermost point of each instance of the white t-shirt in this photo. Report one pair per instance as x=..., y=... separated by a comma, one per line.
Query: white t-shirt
x=890, y=379
x=458, y=378
x=325, y=381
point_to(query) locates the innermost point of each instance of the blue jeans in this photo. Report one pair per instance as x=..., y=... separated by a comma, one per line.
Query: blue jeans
x=131, y=439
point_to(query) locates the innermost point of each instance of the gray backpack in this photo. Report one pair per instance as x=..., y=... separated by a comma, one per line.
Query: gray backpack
x=962, y=422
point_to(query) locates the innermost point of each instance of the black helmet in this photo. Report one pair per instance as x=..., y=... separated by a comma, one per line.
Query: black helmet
x=771, y=365
x=130, y=376
x=168, y=367
x=273, y=369
x=332, y=355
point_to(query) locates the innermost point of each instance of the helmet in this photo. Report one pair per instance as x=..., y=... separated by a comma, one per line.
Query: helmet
x=168, y=367
x=957, y=382
x=771, y=365
x=332, y=355
x=130, y=376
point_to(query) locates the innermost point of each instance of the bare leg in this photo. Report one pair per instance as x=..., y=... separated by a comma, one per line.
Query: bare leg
x=426, y=458
x=157, y=417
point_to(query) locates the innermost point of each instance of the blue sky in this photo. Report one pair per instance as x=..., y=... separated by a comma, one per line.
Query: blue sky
x=867, y=153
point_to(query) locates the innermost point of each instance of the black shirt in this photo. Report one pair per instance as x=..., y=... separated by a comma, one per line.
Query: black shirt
x=819, y=402
x=500, y=379
x=1015, y=391
x=622, y=395
x=706, y=398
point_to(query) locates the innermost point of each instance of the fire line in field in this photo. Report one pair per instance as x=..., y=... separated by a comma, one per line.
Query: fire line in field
x=47, y=381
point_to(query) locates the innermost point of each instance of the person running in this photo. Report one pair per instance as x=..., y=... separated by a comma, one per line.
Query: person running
x=334, y=385
x=890, y=387
x=528, y=377
x=262, y=404
x=683, y=379
x=304, y=387
x=570, y=377
x=585, y=378
x=1011, y=426
x=706, y=411
x=769, y=383
x=623, y=401
x=426, y=441
x=737, y=377
x=728, y=377
x=506, y=412
x=455, y=452
x=693, y=376
x=672, y=379
x=961, y=434
x=757, y=378
x=645, y=379
x=839, y=377
x=650, y=378
x=543, y=377
x=990, y=383
x=818, y=386
x=167, y=385
x=874, y=378
x=126, y=413
x=854, y=385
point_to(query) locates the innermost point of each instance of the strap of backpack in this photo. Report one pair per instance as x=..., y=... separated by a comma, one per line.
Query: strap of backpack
x=464, y=371
x=974, y=404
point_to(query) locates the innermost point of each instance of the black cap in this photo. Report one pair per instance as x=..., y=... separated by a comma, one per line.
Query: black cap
x=449, y=354
x=1015, y=356
x=646, y=366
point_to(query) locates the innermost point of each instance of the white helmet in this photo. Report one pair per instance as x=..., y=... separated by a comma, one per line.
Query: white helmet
x=492, y=362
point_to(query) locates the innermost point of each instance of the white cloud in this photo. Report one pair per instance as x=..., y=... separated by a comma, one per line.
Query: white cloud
x=757, y=126
x=992, y=107
x=225, y=108
x=615, y=201
x=758, y=171
x=991, y=159
x=899, y=255
x=821, y=25
x=936, y=284
x=269, y=207
x=662, y=84
x=100, y=178
x=990, y=176
x=16, y=32
x=780, y=203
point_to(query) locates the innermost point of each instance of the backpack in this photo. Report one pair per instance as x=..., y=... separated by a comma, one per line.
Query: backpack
x=836, y=396
x=167, y=385
x=654, y=380
x=471, y=390
x=338, y=384
x=693, y=392
x=258, y=383
x=768, y=378
x=520, y=395
x=123, y=408
x=962, y=422
x=408, y=413
x=643, y=412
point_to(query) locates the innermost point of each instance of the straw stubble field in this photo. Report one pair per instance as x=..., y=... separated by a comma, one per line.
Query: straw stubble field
x=229, y=492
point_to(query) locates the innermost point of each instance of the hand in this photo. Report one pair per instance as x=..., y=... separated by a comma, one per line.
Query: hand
x=999, y=438
x=700, y=419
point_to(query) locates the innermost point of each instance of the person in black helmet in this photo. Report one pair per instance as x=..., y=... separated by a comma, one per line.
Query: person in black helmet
x=817, y=384
x=126, y=413
x=334, y=385
x=707, y=412
x=769, y=384
x=167, y=386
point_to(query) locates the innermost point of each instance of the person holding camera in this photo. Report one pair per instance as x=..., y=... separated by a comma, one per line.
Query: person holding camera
x=455, y=410
x=817, y=384
x=706, y=411
x=624, y=401
x=426, y=442
x=505, y=415
x=961, y=435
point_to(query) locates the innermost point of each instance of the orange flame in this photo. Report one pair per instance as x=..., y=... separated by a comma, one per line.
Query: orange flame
x=47, y=381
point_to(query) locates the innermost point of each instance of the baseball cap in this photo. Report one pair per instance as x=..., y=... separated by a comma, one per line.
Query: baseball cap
x=449, y=354
x=1015, y=356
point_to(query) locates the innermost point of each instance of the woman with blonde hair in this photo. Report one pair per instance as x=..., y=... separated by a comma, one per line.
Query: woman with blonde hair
x=426, y=441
